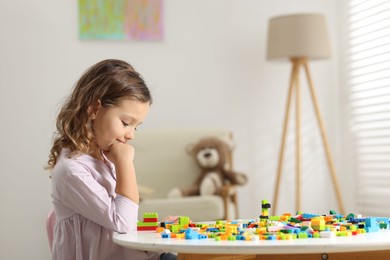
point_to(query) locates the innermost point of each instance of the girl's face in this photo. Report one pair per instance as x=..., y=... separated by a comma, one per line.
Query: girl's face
x=118, y=123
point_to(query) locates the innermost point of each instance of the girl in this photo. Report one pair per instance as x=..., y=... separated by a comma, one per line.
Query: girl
x=94, y=182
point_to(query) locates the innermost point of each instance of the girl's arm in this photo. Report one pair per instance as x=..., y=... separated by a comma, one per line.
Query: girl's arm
x=75, y=189
x=122, y=156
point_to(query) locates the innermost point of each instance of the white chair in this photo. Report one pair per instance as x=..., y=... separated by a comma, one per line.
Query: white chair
x=162, y=163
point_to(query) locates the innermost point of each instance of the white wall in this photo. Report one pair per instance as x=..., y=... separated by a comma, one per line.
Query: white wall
x=210, y=70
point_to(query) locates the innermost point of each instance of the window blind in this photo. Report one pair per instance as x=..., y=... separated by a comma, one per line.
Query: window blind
x=369, y=100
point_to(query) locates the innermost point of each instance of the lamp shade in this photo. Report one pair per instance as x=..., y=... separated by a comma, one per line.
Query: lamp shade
x=296, y=36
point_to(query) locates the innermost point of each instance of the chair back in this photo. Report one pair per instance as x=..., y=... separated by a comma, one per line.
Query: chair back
x=161, y=159
x=50, y=222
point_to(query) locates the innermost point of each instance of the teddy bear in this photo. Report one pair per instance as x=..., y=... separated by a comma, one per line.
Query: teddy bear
x=212, y=156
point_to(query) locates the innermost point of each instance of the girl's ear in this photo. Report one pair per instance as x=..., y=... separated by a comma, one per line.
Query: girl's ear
x=93, y=109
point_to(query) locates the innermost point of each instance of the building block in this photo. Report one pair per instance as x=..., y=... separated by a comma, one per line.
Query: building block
x=149, y=222
x=265, y=206
x=318, y=224
x=285, y=227
x=371, y=225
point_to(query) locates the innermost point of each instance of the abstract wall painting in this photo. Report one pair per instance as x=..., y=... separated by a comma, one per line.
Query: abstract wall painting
x=140, y=20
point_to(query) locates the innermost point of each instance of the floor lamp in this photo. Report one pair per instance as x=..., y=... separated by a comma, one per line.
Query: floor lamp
x=299, y=38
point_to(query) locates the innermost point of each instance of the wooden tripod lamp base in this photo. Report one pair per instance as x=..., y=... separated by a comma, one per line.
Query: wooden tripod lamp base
x=301, y=36
x=294, y=88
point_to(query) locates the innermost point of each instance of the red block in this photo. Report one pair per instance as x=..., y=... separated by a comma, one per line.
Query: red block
x=150, y=219
x=152, y=228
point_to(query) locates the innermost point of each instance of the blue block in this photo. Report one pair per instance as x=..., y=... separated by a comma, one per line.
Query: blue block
x=202, y=236
x=309, y=216
x=371, y=225
x=165, y=235
x=271, y=237
x=191, y=234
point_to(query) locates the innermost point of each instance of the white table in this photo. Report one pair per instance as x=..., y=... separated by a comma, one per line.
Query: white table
x=374, y=245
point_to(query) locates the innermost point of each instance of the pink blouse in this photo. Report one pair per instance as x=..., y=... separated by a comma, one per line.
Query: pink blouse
x=88, y=211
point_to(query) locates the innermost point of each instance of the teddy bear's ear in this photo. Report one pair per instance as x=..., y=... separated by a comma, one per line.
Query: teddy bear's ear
x=229, y=143
x=190, y=149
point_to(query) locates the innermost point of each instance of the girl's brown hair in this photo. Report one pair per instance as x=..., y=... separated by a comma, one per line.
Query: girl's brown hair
x=108, y=82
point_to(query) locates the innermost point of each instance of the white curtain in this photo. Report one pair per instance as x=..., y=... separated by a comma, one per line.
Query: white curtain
x=369, y=97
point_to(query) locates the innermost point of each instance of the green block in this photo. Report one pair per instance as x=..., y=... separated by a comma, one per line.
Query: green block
x=231, y=238
x=199, y=225
x=302, y=235
x=150, y=215
x=382, y=225
x=294, y=220
x=176, y=228
x=147, y=224
x=183, y=220
x=286, y=231
x=342, y=233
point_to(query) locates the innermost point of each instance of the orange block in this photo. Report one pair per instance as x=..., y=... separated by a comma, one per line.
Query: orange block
x=160, y=229
x=224, y=236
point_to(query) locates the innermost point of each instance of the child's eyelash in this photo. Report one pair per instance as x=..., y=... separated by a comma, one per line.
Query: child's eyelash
x=124, y=123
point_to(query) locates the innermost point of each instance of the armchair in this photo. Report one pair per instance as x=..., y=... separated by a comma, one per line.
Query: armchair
x=162, y=163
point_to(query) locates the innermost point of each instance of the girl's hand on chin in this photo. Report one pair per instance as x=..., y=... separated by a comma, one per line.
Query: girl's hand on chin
x=120, y=153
